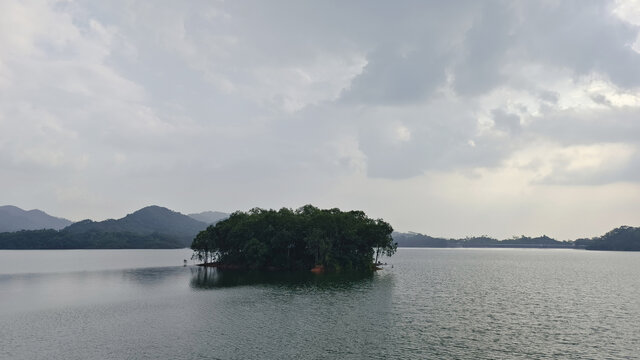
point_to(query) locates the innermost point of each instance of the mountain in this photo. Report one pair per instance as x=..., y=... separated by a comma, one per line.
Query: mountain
x=13, y=218
x=209, y=217
x=412, y=239
x=146, y=221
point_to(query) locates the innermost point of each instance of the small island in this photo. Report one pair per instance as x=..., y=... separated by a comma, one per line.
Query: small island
x=305, y=239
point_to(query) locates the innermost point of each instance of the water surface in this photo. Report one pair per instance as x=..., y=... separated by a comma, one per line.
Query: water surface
x=433, y=303
x=50, y=261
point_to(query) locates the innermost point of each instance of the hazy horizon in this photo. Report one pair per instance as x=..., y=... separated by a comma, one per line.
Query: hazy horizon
x=452, y=119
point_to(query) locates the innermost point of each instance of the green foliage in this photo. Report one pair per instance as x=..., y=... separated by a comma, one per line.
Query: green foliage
x=295, y=240
x=624, y=238
x=52, y=239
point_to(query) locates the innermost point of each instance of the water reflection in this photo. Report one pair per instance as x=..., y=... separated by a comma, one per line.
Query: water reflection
x=153, y=276
x=29, y=292
x=284, y=315
x=212, y=278
x=62, y=261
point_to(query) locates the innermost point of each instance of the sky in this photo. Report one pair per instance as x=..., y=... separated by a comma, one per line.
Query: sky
x=448, y=118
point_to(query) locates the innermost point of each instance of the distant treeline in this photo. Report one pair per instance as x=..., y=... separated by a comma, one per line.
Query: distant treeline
x=624, y=238
x=53, y=239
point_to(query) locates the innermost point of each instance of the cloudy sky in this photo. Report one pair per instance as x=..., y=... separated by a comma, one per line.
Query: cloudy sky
x=449, y=118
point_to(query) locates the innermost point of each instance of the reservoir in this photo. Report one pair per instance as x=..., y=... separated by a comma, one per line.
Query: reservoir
x=427, y=303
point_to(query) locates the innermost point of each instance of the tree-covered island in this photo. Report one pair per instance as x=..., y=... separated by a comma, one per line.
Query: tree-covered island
x=299, y=239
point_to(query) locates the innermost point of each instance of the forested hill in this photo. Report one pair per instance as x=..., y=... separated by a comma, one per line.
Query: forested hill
x=13, y=218
x=152, y=227
x=624, y=238
x=148, y=220
x=420, y=240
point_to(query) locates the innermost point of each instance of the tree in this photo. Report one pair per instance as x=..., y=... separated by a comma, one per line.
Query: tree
x=295, y=240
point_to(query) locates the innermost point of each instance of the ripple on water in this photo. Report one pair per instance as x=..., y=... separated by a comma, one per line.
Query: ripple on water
x=433, y=303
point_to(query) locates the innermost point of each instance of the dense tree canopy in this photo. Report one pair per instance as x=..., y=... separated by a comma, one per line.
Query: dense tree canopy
x=624, y=238
x=295, y=240
x=63, y=239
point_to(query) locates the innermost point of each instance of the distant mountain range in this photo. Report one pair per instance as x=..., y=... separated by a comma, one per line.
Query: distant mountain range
x=624, y=238
x=420, y=240
x=161, y=228
x=209, y=217
x=13, y=218
x=149, y=227
x=146, y=221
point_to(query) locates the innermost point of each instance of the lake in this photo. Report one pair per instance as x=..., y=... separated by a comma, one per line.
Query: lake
x=433, y=303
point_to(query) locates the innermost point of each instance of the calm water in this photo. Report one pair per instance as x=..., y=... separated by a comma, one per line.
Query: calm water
x=433, y=303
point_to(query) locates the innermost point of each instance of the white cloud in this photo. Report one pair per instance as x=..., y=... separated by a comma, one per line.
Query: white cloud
x=628, y=10
x=402, y=133
x=578, y=164
x=457, y=109
x=293, y=88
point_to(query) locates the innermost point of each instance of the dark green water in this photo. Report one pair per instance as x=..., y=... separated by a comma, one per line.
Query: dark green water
x=433, y=304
